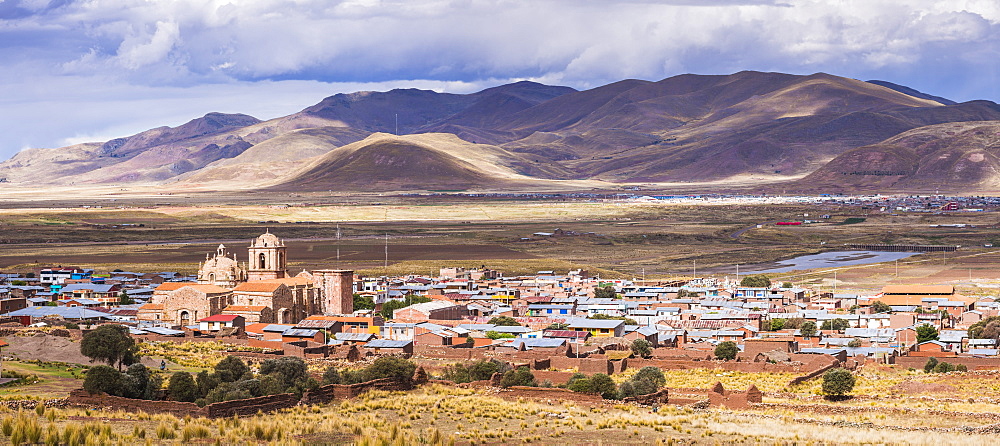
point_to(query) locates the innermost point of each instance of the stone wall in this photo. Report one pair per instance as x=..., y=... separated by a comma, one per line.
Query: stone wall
x=553, y=377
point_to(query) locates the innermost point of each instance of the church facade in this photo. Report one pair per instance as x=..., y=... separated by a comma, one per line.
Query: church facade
x=260, y=290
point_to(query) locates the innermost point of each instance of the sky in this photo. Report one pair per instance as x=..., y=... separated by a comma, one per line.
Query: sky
x=91, y=70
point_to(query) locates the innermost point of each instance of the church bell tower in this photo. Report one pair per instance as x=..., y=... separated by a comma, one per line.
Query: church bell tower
x=267, y=258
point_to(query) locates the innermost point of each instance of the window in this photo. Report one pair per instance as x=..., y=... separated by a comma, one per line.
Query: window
x=562, y=311
x=604, y=330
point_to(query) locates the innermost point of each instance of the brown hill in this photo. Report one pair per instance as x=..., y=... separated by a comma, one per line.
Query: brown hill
x=954, y=157
x=428, y=161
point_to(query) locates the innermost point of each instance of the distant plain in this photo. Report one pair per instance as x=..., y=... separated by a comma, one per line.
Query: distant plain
x=423, y=233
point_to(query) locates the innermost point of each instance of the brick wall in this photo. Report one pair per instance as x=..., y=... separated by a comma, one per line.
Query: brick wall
x=584, y=365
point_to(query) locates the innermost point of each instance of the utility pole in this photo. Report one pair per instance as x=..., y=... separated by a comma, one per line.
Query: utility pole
x=694, y=270
x=338, y=242
x=386, y=265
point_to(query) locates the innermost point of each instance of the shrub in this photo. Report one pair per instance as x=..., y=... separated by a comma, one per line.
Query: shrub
x=606, y=292
x=230, y=369
x=777, y=324
x=961, y=368
x=520, y=377
x=756, y=281
x=837, y=324
x=331, y=376
x=139, y=382
x=642, y=348
x=726, y=350
x=206, y=382
x=504, y=321
x=880, y=307
x=930, y=364
x=856, y=342
x=944, y=367
x=104, y=379
x=492, y=334
x=390, y=367
x=838, y=382
x=291, y=370
x=182, y=387
x=926, y=333
x=808, y=329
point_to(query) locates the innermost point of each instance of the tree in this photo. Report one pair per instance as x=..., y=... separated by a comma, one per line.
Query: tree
x=726, y=350
x=484, y=369
x=787, y=285
x=504, y=321
x=926, y=333
x=808, y=329
x=494, y=335
x=110, y=344
x=880, y=307
x=642, y=348
x=856, y=342
x=520, y=377
x=599, y=383
x=794, y=323
x=363, y=302
x=837, y=324
x=979, y=329
x=206, y=382
x=331, y=376
x=138, y=382
x=606, y=292
x=628, y=321
x=290, y=369
x=756, y=281
x=604, y=385
x=777, y=324
x=231, y=369
x=944, y=367
x=182, y=387
x=103, y=379
x=930, y=364
x=557, y=326
x=391, y=367
x=647, y=380
x=123, y=299
x=838, y=382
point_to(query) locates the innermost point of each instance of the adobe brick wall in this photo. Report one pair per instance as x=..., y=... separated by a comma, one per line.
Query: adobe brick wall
x=584, y=365
x=329, y=392
x=82, y=398
x=251, y=406
x=918, y=362
x=554, y=377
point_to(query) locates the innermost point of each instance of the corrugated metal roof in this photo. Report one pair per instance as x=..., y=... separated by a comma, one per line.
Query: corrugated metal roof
x=300, y=332
x=387, y=343
x=538, y=342
x=64, y=312
x=354, y=337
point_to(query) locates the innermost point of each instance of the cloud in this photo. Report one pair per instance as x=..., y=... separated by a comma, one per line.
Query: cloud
x=160, y=48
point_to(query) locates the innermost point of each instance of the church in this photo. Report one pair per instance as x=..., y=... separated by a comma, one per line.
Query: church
x=260, y=290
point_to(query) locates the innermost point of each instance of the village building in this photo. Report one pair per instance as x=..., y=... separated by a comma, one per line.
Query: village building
x=259, y=291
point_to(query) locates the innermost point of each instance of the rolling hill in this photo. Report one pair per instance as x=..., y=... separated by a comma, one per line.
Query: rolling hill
x=703, y=131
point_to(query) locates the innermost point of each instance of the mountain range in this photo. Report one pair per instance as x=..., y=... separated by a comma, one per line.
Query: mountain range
x=702, y=132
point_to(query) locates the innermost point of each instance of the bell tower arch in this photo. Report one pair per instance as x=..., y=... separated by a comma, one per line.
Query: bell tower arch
x=267, y=258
